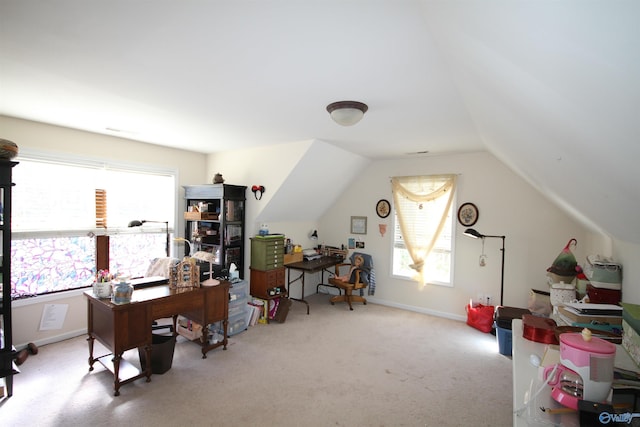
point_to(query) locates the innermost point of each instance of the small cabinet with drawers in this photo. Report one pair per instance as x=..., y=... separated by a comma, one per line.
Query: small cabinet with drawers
x=267, y=266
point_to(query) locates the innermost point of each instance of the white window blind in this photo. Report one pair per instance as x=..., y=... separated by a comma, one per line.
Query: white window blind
x=52, y=195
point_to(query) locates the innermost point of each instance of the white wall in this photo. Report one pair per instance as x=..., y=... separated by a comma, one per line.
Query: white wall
x=33, y=135
x=628, y=254
x=536, y=231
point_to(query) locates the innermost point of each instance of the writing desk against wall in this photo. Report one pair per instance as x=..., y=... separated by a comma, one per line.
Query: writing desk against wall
x=321, y=265
x=121, y=327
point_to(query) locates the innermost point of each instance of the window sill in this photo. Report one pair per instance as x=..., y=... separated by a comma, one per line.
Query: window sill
x=41, y=299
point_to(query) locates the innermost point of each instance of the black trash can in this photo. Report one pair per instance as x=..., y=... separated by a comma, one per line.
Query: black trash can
x=161, y=353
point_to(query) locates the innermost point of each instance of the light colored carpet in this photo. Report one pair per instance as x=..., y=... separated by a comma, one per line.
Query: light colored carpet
x=374, y=366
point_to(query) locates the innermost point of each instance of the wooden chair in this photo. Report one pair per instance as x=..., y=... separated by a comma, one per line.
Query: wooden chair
x=358, y=279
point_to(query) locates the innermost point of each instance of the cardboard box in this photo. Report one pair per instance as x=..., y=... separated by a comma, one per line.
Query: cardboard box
x=200, y=216
x=291, y=258
x=188, y=329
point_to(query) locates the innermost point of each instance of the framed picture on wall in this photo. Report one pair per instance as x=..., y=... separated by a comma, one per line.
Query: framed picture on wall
x=358, y=225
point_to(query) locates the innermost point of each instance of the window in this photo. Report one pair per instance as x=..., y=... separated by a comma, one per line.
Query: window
x=54, y=220
x=423, y=228
x=438, y=266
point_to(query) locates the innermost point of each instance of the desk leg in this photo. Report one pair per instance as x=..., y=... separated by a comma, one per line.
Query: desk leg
x=116, y=373
x=147, y=368
x=91, y=359
x=289, y=282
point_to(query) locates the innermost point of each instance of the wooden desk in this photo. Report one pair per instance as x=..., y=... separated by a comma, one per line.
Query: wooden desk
x=320, y=264
x=127, y=326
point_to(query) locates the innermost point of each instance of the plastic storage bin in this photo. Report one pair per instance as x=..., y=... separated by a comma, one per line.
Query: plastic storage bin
x=162, y=348
x=237, y=324
x=503, y=318
x=238, y=308
x=239, y=291
x=505, y=338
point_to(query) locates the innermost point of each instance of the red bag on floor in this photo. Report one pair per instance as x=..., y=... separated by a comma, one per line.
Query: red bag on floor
x=480, y=317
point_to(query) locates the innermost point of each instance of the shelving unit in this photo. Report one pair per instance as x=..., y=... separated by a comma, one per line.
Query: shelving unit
x=8, y=367
x=214, y=223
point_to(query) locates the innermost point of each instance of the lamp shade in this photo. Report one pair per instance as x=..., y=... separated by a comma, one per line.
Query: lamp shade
x=347, y=113
x=470, y=232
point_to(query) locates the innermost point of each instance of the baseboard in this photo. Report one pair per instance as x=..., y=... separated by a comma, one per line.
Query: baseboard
x=53, y=339
x=416, y=309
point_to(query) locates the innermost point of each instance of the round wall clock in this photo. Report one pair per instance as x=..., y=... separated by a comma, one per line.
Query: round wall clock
x=383, y=208
x=468, y=214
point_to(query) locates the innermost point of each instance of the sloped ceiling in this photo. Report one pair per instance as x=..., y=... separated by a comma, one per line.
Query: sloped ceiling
x=550, y=87
x=311, y=186
x=554, y=91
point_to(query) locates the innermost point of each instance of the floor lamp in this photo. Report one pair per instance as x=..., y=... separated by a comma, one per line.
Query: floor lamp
x=470, y=232
x=136, y=223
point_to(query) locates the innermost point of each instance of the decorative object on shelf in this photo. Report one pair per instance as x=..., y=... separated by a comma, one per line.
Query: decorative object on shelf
x=257, y=191
x=137, y=223
x=218, y=179
x=468, y=214
x=347, y=113
x=383, y=208
x=470, y=232
x=122, y=291
x=358, y=225
x=8, y=149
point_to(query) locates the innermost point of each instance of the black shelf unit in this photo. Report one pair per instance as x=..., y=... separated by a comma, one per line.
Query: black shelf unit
x=218, y=225
x=8, y=367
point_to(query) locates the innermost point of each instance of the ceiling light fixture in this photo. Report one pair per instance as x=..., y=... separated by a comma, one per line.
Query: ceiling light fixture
x=347, y=113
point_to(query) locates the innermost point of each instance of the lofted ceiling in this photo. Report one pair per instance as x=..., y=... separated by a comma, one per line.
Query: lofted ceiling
x=550, y=87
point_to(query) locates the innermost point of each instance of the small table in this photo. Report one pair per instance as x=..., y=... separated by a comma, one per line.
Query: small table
x=320, y=264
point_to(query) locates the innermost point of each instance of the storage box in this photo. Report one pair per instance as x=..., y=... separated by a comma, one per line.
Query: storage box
x=539, y=329
x=631, y=342
x=201, y=216
x=504, y=337
x=631, y=315
x=603, y=295
x=504, y=315
x=188, y=329
x=291, y=258
x=237, y=324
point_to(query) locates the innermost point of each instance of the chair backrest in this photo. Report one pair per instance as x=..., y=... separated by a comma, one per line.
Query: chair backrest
x=368, y=261
x=365, y=268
